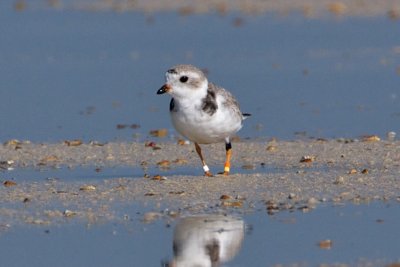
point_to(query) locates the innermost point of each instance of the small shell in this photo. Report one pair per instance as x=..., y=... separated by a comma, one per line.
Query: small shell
x=325, y=244
x=225, y=197
x=87, y=188
x=158, y=177
x=12, y=142
x=248, y=167
x=69, y=213
x=365, y=171
x=307, y=159
x=182, y=142
x=337, y=8
x=180, y=161
x=234, y=204
x=75, y=142
x=371, y=138
x=159, y=133
x=121, y=126
x=312, y=201
x=179, y=193
x=394, y=15
x=339, y=180
x=51, y=158
x=164, y=163
x=9, y=183
x=150, y=217
x=353, y=171
x=6, y=165
x=152, y=145
x=391, y=136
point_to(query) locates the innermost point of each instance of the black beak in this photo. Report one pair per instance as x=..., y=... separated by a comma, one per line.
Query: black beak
x=164, y=89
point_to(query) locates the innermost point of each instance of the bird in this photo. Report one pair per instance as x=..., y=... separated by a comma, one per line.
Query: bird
x=201, y=111
x=207, y=240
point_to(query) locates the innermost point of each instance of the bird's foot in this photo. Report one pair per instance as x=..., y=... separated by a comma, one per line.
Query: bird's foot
x=207, y=171
x=226, y=170
x=208, y=174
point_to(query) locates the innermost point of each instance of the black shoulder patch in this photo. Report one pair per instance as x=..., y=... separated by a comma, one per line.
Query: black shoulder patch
x=209, y=103
x=172, y=105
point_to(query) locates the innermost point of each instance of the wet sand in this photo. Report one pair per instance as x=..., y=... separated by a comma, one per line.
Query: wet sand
x=309, y=8
x=286, y=175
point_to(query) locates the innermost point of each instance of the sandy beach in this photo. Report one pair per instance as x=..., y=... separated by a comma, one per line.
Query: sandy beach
x=284, y=175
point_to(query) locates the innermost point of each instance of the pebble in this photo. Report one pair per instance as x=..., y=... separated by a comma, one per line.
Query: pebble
x=339, y=180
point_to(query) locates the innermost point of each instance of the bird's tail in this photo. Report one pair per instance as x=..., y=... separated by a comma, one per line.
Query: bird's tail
x=245, y=115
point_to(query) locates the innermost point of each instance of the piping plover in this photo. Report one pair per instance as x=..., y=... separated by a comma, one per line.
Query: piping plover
x=207, y=240
x=201, y=111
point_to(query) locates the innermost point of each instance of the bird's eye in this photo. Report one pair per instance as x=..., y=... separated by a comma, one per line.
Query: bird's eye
x=183, y=79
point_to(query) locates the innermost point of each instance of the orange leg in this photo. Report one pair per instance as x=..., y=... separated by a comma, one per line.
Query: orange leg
x=227, y=166
x=205, y=167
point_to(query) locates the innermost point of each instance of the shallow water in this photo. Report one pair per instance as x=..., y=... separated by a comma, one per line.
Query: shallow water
x=75, y=74
x=93, y=173
x=360, y=234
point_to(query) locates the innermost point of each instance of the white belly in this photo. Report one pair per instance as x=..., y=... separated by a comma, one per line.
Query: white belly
x=202, y=128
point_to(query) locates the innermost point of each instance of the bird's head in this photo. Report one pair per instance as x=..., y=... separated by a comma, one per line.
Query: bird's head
x=184, y=81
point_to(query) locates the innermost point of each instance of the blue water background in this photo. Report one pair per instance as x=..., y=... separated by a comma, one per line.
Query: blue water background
x=73, y=74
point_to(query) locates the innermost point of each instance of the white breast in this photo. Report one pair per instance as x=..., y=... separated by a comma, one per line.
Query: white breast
x=198, y=126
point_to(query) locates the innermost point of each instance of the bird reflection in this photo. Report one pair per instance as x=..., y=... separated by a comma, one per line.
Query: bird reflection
x=206, y=241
